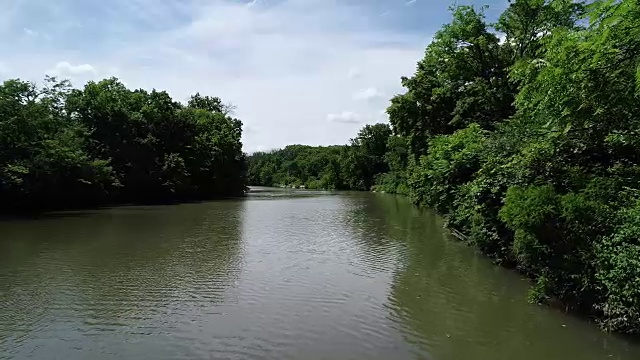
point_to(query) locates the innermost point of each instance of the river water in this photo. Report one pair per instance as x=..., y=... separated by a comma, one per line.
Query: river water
x=278, y=275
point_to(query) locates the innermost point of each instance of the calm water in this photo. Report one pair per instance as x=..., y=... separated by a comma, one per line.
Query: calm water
x=279, y=275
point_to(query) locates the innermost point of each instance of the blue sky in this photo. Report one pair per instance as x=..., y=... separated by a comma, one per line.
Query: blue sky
x=298, y=71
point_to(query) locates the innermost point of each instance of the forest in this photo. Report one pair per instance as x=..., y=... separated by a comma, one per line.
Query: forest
x=62, y=147
x=525, y=135
x=341, y=167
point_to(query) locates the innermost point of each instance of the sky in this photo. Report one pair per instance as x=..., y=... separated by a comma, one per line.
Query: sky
x=298, y=71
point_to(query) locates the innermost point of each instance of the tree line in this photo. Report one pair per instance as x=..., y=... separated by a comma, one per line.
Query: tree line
x=525, y=135
x=340, y=167
x=65, y=147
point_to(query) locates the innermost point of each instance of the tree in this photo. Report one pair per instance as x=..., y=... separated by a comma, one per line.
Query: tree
x=353, y=166
x=212, y=104
x=105, y=143
x=369, y=149
x=43, y=152
x=526, y=24
x=461, y=80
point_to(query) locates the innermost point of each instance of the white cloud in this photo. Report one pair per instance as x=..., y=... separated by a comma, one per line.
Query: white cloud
x=502, y=37
x=346, y=117
x=65, y=69
x=410, y=2
x=282, y=65
x=33, y=34
x=82, y=73
x=30, y=32
x=368, y=94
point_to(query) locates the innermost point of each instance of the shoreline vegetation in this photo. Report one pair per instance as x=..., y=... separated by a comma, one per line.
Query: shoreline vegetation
x=525, y=135
x=66, y=148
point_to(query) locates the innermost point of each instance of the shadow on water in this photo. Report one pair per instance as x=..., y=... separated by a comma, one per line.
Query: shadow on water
x=80, y=211
x=115, y=271
x=452, y=303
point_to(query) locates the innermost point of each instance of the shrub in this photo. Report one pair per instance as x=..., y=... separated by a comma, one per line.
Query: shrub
x=618, y=259
x=451, y=161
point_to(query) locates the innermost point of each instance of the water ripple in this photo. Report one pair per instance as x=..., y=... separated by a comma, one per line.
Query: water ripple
x=285, y=274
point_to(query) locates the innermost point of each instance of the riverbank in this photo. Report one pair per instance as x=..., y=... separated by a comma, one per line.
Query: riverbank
x=539, y=292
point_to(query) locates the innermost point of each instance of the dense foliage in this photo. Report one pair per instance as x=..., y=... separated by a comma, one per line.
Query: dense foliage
x=353, y=166
x=62, y=147
x=552, y=188
x=525, y=135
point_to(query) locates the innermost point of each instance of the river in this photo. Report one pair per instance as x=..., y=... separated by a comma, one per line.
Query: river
x=277, y=275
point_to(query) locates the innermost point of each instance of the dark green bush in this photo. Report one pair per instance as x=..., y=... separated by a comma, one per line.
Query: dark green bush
x=451, y=161
x=618, y=273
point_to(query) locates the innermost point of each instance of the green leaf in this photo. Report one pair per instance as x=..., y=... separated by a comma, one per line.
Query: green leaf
x=638, y=79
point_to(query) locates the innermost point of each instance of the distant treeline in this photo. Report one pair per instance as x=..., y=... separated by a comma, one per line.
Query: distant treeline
x=64, y=147
x=340, y=167
x=525, y=135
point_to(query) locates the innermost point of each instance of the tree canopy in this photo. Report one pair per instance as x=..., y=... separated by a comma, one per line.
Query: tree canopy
x=343, y=167
x=62, y=147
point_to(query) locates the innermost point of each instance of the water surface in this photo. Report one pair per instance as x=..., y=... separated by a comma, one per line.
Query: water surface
x=281, y=274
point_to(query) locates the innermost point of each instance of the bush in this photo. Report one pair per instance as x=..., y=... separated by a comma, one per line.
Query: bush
x=556, y=236
x=392, y=183
x=451, y=161
x=618, y=259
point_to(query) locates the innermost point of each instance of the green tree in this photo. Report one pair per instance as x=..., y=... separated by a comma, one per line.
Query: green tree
x=105, y=143
x=527, y=24
x=397, y=159
x=353, y=166
x=368, y=153
x=43, y=151
x=461, y=80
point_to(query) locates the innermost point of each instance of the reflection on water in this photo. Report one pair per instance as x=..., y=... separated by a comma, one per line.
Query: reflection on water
x=281, y=274
x=116, y=275
x=454, y=304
